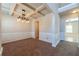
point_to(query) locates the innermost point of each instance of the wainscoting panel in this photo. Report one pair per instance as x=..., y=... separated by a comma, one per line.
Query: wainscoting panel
x=43, y=36
x=1, y=50
x=55, y=39
x=47, y=37
x=9, y=37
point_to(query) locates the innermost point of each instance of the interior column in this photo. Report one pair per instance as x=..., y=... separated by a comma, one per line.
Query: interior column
x=55, y=24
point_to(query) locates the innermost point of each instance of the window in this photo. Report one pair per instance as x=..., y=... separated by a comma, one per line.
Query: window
x=70, y=39
x=69, y=24
x=72, y=19
x=69, y=28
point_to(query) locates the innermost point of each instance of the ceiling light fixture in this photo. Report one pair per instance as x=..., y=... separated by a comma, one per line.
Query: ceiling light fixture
x=18, y=20
x=22, y=17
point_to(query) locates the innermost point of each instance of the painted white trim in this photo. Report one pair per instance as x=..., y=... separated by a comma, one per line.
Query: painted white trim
x=46, y=37
x=33, y=34
x=9, y=37
x=45, y=40
x=54, y=45
x=55, y=39
x=68, y=7
x=1, y=50
x=15, y=33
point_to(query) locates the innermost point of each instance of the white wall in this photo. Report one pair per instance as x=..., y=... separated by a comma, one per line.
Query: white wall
x=13, y=30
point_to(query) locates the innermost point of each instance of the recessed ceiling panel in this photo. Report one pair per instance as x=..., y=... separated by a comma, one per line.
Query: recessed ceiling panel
x=45, y=10
x=19, y=9
x=31, y=7
x=28, y=7
x=35, y=5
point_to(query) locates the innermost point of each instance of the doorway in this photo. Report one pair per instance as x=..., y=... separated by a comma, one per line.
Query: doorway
x=37, y=30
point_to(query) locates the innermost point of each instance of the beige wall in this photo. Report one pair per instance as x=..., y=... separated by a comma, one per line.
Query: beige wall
x=10, y=25
x=45, y=24
x=13, y=30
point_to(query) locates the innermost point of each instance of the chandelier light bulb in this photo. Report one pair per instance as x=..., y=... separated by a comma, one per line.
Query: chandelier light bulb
x=18, y=19
x=23, y=21
x=27, y=21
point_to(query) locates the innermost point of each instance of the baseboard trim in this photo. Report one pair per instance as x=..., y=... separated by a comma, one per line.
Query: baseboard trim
x=55, y=45
x=1, y=50
x=45, y=40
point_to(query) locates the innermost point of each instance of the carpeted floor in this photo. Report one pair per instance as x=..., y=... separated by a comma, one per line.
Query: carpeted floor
x=26, y=48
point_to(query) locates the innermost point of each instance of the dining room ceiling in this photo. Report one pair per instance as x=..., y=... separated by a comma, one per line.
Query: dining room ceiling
x=15, y=9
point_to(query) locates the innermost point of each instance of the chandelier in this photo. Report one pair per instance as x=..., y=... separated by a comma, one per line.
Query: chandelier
x=22, y=17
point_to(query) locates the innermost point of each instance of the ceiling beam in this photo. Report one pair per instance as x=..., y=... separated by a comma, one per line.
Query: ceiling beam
x=31, y=13
x=31, y=7
x=68, y=7
x=12, y=8
x=36, y=11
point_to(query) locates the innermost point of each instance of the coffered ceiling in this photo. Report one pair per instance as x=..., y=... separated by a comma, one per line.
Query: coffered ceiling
x=32, y=10
x=35, y=10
